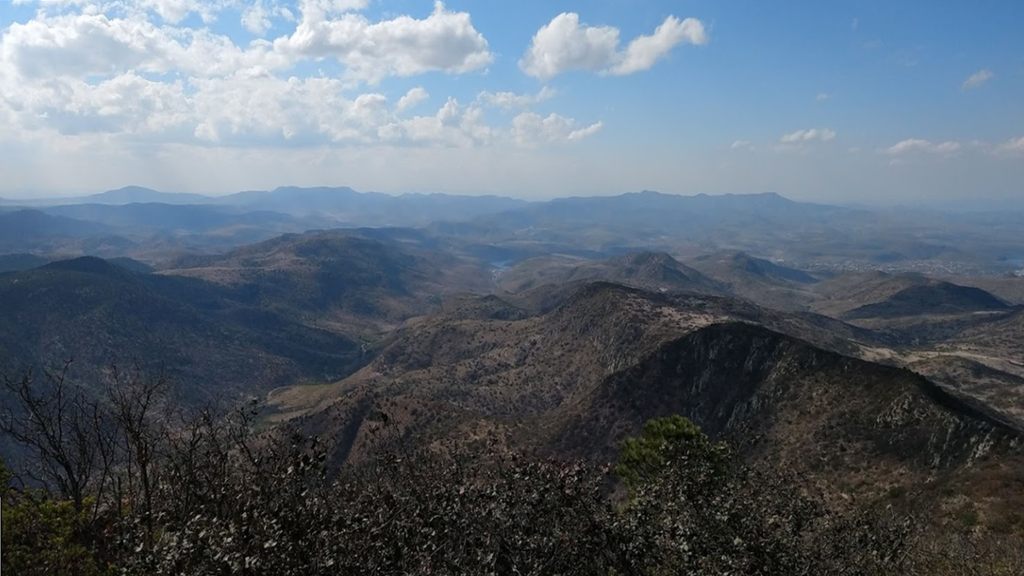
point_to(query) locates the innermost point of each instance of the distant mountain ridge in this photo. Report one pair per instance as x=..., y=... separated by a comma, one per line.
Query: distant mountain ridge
x=659, y=211
x=139, y=194
x=506, y=230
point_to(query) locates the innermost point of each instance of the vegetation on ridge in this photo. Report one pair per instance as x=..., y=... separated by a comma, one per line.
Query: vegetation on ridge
x=132, y=487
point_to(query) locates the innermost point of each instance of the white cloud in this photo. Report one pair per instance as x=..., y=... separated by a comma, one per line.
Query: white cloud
x=174, y=11
x=334, y=7
x=239, y=110
x=413, y=97
x=452, y=125
x=256, y=17
x=741, y=145
x=912, y=145
x=564, y=44
x=977, y=79
x=532, y=129
x=95, y=45
x=1012, y=147
x=112, y=71
x=644, y=51
x=511, y=100
x=404, y=46
x=111, y=76
x=821, y=97
x=169, y=11
x=808, y=135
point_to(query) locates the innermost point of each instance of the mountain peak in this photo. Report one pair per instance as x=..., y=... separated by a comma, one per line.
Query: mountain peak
x=88, y=265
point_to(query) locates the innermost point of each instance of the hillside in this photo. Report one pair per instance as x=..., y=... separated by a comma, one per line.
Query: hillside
x=998, y=385
x=757, y=279
x=932, y=298
x=739, y=268
x=25, y=230
x=998, y=342
x=214, y=344
x=511, y=363
x=808, y=404
x=340, y=280
x=647, y=270
x=577, y=380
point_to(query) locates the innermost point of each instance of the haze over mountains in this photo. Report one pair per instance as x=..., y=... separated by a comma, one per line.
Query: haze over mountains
x=150, y=225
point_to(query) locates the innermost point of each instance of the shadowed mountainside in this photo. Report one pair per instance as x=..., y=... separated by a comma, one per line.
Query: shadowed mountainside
x=932, y=298
x=212, y=342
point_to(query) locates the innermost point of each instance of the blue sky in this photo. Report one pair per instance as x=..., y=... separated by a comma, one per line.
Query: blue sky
x=866, y=102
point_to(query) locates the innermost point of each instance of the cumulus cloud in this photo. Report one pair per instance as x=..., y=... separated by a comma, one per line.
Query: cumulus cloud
x=76, y=71
x=258, y=16
x=977, y=79
x=742, y=145
x=565, y=44
x=169, y=11
x=511, y=100
x=912, y=145
x=644, y=51
x=237, y=110
x=404, y=46
x=95, y=45
x=808, y=135
x=532, y=129
x=413, y=97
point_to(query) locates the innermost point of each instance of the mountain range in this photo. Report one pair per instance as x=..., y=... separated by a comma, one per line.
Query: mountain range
x=876, y=355
x=151, y=225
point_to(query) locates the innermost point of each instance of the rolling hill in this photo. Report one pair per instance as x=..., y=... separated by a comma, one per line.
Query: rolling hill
x=932, y=298
x=757, y=279
x=23, y=230
x=577, y=380
x=213, y=343
x=651, y=271
x=339, y=279
x=498, y=358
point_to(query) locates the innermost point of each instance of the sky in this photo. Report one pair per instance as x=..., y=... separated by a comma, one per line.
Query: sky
x=872, y=102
